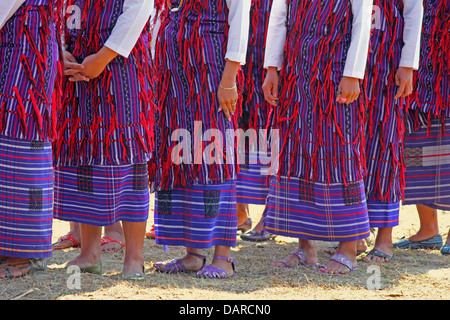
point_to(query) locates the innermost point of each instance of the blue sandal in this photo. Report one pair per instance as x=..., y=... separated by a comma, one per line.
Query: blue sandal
x=433, y=243
x=445, y=249
x=176, y=266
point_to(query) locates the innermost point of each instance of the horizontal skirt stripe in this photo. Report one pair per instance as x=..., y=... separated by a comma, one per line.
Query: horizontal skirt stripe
x=197, y=217
x=26, y=198
x=102, y=195
x=317, y=211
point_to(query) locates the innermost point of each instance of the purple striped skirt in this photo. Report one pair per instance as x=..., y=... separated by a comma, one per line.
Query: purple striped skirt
x=252, y=181
x=335, y=212
x=427, y=160
x=102, y=195
x=26, y=198
x=197, y=217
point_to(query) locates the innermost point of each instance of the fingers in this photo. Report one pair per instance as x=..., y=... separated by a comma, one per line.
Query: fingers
x=271, y=93
x=78, y=77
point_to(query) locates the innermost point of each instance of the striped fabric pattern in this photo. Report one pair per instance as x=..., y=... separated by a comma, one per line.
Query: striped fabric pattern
x=108, y=120
x=321, y=139
x=427, y=159
x=252, y=182
x=327, y=212
x=385, y=115
x=102, y=195
x=189, y=62
x=383, y=214
x=29, y=65
x=26, y=198
x=432, y=92
x=319, y=191
x=256, y=112
x=197, y=217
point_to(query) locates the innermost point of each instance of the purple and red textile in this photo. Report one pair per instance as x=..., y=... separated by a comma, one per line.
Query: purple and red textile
x=427, y=125
x=30, y=72
x=189, y=62
x=252, y=183
x=105, y=127
x=322, y=142
x=384, y=182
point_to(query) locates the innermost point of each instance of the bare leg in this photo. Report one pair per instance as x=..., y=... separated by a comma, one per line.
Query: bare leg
x=429, y=226
x=134, y=253
x=243, y=216
x=90, y=249
x=383, y=243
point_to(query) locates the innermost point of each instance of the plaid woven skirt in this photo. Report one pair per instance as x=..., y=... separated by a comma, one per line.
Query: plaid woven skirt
x=102, y=195
x=197, y=217
x=427, y=160
x=252, y=181
x=26, y=198
x=327, y=212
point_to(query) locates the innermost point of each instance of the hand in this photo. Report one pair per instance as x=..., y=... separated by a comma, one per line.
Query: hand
x=348, y=90
x=270, y=86
x=404, y=82
x=228, y=98
x=96, y=63
x=72, y=68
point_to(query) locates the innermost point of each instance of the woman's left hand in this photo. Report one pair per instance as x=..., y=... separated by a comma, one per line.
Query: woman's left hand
x=404, y=82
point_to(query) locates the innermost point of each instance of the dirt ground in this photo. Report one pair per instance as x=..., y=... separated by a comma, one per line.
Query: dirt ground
x=421, y=274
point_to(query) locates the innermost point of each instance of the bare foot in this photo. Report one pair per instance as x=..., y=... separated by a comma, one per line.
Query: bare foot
x=361, y=246
x=348, y=250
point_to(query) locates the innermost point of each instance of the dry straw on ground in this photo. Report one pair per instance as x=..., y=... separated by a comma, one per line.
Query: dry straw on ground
x=420, y=274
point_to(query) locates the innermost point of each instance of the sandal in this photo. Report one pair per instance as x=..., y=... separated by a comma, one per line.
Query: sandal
x=445, y=249
x=211, y=272
x=433, y=243
x=25, y=267
x=339, y=258
x=134, y=276
x=176, y=266
x=255, y=236
x=302, y=260
x=151, y=234
x=378, y=253
x=106, y=240
x=67, y=237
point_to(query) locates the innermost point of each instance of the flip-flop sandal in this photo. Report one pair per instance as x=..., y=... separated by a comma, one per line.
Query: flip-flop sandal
x=433, y=243
x=378, y=253
x=339, y=258
x=255, y=236
x=211, y=272
x=302, y=260
x=445, y=249
x=106, y=240
x=67, y=237
x=176, y=266
x=134, y=276
x=27, y=267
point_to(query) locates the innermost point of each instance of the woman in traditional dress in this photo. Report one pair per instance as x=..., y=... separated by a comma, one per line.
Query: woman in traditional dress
x=29, y=65
x=105, y=127
x=321, y=50
x=394, y=55
x=427, y=141
x=199, y=50
x=252, y=181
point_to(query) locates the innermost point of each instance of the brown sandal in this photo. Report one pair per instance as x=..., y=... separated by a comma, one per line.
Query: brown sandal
x=27, y=266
